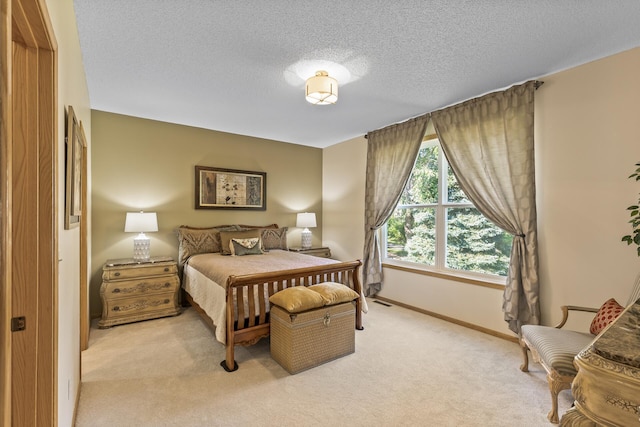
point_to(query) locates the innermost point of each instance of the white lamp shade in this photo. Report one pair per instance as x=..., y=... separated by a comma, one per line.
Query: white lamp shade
x=141, y=222
x=321, y=89
x=306, y=220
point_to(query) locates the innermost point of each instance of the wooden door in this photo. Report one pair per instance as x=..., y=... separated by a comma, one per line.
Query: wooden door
x=84, y=252
x=28, y=219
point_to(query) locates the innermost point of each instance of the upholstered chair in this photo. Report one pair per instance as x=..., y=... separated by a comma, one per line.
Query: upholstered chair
x=555, y=348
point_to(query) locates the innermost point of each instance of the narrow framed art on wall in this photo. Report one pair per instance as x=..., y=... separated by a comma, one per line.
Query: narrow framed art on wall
x=218, y=188
x=73, y=170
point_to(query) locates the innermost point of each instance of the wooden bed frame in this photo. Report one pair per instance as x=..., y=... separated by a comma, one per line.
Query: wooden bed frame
x=254, y=324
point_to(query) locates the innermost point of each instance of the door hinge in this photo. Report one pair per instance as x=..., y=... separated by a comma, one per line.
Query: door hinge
x=18, y=324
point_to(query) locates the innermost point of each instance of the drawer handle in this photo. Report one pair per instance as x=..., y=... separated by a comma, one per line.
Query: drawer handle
x=117, y=273
x=166, y=285
x=166, y=269
x=166, y=301
x=116, y=291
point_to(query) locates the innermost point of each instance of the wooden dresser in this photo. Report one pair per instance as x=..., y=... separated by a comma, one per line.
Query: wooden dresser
x=133, y=291
x=607, y=386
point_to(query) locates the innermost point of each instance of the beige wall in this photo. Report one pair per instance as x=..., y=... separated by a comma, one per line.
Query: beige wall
x=343, y=198
x=72, y=90
x=147, y=165
x=587, y=142
x=588, y=136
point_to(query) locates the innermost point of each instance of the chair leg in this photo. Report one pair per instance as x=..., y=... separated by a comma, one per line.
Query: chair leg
x=525, y=356
x=556, y=385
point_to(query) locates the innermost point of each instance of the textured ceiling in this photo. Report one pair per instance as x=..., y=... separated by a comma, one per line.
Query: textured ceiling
x=239, y=65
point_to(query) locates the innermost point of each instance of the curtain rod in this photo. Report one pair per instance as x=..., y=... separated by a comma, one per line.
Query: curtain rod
x=536, y=86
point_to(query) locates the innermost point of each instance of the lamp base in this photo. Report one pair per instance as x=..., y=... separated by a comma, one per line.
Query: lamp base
x=306, y=239
x=141, y=248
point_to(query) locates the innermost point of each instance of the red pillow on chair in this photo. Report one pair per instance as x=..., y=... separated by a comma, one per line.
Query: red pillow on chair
x=609, y=312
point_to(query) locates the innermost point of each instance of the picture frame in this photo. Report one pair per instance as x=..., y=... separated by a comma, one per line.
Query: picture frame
x=74, y=141
x=218, y=188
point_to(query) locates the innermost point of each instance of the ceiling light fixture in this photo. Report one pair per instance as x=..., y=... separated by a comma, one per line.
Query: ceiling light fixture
x=321, y=89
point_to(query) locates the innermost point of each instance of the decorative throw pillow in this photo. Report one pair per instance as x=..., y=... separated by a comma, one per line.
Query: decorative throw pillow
x=608, y=312
x=193, y=241
x=334, y=293
x=242, y=247
x=226, y=236
x=297, y=299
x=274, y=238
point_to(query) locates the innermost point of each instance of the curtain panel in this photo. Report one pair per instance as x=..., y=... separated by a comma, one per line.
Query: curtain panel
x=488, y=142
x=391, y=154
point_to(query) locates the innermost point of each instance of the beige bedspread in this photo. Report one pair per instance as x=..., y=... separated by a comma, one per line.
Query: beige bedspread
x=205, y=277
x=219, y=267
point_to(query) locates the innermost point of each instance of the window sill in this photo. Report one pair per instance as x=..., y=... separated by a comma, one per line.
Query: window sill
x=497, y=283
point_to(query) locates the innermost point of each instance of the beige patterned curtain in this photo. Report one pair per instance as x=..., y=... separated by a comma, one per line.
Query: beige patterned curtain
x=391, y=153
x=488, y=142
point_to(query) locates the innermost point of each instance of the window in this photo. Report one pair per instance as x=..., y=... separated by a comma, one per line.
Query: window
x=436, y=225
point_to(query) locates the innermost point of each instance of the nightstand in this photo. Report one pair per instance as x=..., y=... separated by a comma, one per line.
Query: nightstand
x=322, y=252
x=133, y=291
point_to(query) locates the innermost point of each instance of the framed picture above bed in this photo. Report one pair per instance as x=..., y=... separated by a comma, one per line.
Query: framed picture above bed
x=230, y=189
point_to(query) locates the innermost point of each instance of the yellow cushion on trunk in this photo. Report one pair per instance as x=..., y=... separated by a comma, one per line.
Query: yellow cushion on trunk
x=334, y=293
x=297, y=299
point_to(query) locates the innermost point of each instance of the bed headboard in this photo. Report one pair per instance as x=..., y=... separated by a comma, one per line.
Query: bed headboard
x=199, y=240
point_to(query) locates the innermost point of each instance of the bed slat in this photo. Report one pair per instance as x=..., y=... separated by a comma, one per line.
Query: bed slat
x=262, y=303
x=240, y=306
x=251, y=315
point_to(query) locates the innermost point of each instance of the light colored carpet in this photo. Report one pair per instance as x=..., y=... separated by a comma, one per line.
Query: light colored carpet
x=409, y=369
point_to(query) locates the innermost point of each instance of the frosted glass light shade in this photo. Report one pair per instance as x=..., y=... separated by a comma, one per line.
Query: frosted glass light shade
x=321, y=89
x=141, y=222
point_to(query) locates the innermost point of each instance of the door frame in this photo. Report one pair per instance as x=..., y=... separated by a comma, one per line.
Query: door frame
x=27, y=36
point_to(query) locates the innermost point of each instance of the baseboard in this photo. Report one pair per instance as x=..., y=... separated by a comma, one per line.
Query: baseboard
x=451, y=320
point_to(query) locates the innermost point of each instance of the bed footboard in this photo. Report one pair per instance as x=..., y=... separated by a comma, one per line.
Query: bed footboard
x=247, y=322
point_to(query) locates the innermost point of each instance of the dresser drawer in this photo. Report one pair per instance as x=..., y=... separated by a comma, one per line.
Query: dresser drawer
x=127, y=288
x=126, y=310
x=140, y=306
x=130, y=272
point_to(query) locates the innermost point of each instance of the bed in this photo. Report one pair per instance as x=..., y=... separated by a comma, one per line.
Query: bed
x=230, y=288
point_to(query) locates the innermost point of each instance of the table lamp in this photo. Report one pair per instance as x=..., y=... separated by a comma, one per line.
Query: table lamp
x=306, y=220
x=141, y=222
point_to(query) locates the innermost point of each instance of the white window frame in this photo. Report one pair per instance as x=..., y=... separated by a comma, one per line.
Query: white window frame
x=441, y=229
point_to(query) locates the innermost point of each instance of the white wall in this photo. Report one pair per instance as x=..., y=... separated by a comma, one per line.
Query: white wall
x=72, y=90
x=587, y=142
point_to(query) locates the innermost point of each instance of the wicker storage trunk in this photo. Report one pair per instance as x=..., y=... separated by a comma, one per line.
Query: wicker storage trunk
x=308, y=339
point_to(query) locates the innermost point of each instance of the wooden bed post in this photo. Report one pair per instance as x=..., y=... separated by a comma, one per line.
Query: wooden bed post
x=357, y=287
x=229, y=364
